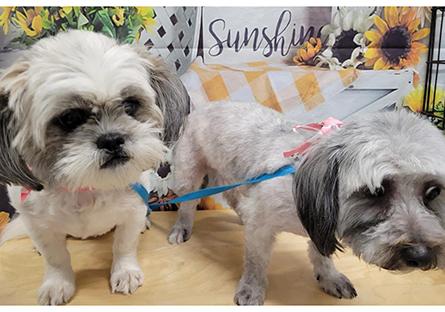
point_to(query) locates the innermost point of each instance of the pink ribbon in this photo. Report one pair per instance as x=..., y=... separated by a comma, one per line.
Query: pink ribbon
x=322, y=128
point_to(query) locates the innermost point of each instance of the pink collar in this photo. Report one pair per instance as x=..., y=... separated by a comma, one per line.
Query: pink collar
x=322, y=128
x=25, y=192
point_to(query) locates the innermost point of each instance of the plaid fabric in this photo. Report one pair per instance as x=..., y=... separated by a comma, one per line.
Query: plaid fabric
x=288, y=89
x=279, y=86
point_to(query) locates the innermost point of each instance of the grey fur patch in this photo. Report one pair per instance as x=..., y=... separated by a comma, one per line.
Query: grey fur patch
x=13, y=168
x=316, y=197
x=171, y=97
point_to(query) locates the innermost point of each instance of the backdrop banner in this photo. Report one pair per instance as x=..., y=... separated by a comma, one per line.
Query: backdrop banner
x=239, y=35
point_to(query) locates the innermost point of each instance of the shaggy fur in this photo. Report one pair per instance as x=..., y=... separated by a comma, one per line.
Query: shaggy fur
x=374, y=185
x=84, y=113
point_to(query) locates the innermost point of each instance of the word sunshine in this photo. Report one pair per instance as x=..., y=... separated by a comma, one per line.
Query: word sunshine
x=267, y=40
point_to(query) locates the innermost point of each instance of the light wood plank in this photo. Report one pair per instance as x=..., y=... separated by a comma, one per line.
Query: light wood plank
x=205, y=270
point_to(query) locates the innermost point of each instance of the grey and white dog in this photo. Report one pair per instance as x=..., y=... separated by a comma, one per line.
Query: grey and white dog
x=375, y=185
x=82, y=117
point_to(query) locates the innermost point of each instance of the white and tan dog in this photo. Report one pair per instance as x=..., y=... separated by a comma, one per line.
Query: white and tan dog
x=375, y=184
x=88, y=116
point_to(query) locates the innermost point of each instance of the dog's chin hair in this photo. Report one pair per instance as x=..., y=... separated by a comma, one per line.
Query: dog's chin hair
x=80, y=166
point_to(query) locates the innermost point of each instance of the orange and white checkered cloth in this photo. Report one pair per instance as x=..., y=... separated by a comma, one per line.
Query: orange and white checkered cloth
x=279, y=86
x=288, y=89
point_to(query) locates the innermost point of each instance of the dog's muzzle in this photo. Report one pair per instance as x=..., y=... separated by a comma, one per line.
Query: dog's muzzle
x=112, y=144
x=418, y=256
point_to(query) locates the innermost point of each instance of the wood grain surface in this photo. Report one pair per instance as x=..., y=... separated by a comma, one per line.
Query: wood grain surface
x=206, y=269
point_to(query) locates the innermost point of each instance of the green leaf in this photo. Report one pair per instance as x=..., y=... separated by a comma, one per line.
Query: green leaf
x=108, y=27
x=81, y=20
x=46, y=24
x=77, y=11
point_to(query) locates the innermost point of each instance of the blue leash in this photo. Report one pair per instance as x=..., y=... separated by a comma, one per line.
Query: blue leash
x=145, y=194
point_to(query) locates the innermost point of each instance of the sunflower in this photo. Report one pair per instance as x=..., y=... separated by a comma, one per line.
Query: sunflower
x=118, y=17
x=344, y=39
x=306, y=54
x=394, y=43
x=414, y=100
x=147, y=14
x=30, y=21
x=4, y=18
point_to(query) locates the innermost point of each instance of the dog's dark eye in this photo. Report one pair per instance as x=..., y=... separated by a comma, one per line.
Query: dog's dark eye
x=131, y=106
x=72, y=118
x=431, y=193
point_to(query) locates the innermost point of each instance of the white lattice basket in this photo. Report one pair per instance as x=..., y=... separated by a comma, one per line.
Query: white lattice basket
x=173, y=36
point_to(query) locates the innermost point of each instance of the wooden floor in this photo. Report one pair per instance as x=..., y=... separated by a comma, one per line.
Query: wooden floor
x=205, y=270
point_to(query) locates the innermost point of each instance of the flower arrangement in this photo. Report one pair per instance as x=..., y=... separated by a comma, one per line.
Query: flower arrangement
x=123, y=23
x=360, y=38
x=414, y=100
x=306, y=54
x=394, y=43
x=344, y=38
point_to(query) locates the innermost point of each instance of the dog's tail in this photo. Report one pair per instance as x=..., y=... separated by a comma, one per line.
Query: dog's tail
x=14, y=229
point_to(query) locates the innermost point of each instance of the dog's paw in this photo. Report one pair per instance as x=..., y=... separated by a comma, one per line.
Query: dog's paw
x=126, y=281
x=55, y=291
x=179, y=234
x=249, y=295
x=336, y=285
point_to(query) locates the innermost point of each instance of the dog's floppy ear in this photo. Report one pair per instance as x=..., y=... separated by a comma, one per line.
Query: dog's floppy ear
x=13, y=168
x=171, y=96
x=316, y=197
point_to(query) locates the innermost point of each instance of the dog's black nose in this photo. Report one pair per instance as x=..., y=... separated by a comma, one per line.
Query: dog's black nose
x=111, y=142
x=418, y=256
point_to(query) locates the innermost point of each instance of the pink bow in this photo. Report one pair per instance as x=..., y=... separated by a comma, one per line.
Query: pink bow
x=322, y=128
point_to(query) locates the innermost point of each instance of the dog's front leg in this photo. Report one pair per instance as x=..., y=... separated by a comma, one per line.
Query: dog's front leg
x=58, y=282
x=330, y=280
x=126, y=274
x=251, y=289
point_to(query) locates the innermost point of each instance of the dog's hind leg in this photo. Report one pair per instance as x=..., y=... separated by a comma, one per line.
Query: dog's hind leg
x=182, y=230
x=252, y=286
x=329, y=279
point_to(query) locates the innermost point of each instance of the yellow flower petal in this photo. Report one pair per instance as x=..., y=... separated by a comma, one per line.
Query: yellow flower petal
x=381, y=24
x=21, y=20
x=4, y=19
x=391, y=16
x=420, y=34
x=372, y=53
x=420, y=47
x=380, y=64
x=303, y=54
x=37, y=24
x=407, y=15
x=372, y=35
x=413, y=25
